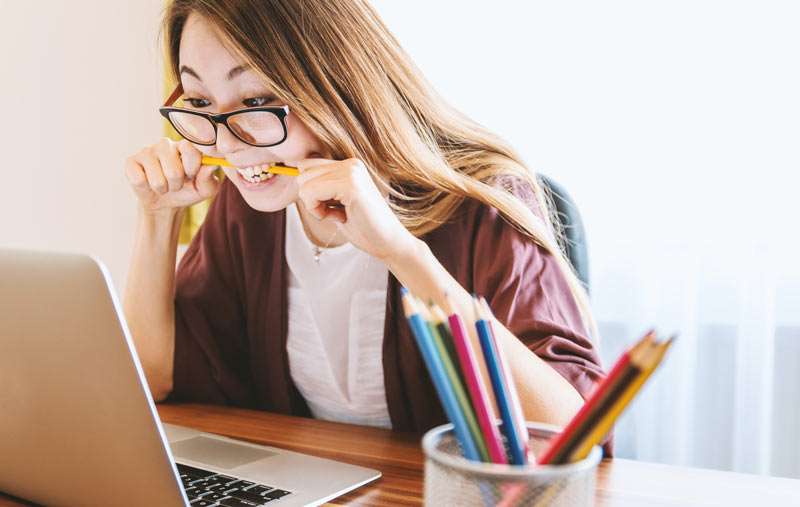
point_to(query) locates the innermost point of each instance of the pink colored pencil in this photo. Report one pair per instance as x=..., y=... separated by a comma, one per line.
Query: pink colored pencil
x=480, y=398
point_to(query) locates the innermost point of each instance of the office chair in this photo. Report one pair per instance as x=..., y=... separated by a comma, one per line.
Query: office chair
x=571, y=226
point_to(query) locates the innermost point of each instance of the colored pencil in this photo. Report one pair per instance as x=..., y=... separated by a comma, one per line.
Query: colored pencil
x=517, y=454
x=439, y=320
x=455, y=383
x=566, y=440
x=647, y=364
x=484, y=409
x=443, y=388
x=516, y=407
x=276, y=168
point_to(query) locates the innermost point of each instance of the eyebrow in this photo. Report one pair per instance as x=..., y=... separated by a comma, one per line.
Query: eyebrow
x=231, y=74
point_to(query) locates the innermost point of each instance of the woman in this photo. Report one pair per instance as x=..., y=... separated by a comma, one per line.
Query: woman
x=285, y=303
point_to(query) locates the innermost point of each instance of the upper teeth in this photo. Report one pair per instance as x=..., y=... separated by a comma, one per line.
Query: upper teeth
x=255, y=173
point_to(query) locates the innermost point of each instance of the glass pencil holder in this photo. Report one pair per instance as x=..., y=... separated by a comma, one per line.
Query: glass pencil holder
x=452, y=480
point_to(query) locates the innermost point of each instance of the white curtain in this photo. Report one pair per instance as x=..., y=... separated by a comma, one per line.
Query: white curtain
x=675, y=127
x=727, y=397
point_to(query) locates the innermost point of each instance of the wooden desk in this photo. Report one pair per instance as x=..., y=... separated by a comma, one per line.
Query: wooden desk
x=620, y=483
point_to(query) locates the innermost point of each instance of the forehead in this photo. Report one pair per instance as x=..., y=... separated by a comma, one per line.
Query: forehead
x=205, y=50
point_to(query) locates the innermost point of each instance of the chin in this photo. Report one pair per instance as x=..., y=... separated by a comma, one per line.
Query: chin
x=267, y=206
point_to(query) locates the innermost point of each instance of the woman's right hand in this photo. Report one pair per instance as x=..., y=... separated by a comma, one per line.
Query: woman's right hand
x=167, y=176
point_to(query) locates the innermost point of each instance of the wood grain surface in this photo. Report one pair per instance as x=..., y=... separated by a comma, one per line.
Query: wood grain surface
x=620, y=483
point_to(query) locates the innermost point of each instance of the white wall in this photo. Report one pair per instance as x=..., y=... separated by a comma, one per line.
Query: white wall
x=80, y=85
x=666, y=108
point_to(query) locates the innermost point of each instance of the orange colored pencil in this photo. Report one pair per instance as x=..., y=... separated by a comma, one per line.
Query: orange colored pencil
x=616, y=380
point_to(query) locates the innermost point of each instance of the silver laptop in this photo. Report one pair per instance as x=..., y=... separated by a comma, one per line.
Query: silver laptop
x=77, y=423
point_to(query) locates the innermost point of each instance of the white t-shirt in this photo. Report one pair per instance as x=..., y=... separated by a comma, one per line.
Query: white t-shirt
x=337, y=309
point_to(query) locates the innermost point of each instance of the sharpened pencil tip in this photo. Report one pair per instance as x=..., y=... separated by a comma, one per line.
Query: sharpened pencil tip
x=476, y=307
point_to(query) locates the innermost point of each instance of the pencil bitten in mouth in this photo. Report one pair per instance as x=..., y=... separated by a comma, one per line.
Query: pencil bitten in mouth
x=256, y=174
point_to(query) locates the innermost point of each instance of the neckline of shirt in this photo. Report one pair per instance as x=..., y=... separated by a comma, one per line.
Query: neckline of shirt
x=293, y=214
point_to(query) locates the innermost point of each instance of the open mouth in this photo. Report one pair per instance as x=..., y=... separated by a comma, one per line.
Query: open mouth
x=255, y=174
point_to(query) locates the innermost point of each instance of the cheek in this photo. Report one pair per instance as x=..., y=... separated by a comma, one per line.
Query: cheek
x=205, y=150
x=300, y=141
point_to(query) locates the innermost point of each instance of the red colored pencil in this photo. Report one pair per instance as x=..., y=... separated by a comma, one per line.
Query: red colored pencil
x=576, y=426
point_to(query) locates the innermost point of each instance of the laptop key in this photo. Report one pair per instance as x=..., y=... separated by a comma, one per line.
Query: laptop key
x=250, y=497
x=241, y=484
x=235, y=502
x=195, y=472
x=213, y=496
x=215, y=481
x=225, y=479
x=260, y=489
x=202, y=502
x=277, y=493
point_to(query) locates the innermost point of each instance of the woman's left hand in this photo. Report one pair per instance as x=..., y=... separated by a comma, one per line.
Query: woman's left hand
x=365, y=218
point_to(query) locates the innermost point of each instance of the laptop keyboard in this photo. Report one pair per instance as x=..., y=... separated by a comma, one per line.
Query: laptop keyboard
x=210, y=489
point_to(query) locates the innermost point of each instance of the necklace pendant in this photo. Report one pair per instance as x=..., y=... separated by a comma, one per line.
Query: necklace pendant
x=317, y=253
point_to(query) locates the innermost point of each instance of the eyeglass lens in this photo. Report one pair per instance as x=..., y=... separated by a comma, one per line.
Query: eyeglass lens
x=256, y=127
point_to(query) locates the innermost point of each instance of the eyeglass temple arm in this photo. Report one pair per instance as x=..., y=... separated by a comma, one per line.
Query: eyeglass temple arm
x=177, y=92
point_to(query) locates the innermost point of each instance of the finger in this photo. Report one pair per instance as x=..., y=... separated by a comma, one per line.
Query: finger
x=317, y=174
x=323, y=194
x=310, y=202
x=306, y=164
x=206, y=182
x=137, y=178
x=336, y=214
x=190, y=158
x=171, y=165
x=312, y=171
x=152, y=169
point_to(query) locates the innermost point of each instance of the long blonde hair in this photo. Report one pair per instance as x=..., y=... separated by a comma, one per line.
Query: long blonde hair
x=346, y=77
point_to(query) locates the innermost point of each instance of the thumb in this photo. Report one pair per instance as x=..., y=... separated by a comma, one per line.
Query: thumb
x=206, y=182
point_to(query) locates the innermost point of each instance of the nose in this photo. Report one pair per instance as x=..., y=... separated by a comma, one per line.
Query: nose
x=227, y=142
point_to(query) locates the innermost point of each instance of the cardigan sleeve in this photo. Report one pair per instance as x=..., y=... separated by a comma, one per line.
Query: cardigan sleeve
x=528, y=292
x=210, y=334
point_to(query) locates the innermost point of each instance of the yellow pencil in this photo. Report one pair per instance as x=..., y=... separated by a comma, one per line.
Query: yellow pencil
x=273, y=168
x=650, y=361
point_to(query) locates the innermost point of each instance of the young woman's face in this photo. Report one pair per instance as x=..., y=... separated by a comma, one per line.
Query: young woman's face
x=216, y=81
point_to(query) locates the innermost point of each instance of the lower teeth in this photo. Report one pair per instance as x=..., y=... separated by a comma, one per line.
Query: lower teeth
x=258, y=179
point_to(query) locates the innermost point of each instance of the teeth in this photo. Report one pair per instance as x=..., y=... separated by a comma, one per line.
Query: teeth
x=256, y=174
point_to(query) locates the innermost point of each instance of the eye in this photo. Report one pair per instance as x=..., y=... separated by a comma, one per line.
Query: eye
x=197, y=103
x=258, y=101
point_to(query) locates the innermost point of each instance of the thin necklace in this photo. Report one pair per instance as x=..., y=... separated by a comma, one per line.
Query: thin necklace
x=318, y=251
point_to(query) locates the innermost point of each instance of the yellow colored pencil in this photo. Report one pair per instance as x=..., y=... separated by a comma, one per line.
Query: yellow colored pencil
x=650, y=361
x=273, y=168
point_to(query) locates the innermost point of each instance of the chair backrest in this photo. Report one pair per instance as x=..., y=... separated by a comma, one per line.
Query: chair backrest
x=571, y=228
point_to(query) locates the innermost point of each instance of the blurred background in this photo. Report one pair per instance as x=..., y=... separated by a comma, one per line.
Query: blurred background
x=673, y=125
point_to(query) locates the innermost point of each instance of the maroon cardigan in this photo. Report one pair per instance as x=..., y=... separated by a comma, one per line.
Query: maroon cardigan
x=231, y=311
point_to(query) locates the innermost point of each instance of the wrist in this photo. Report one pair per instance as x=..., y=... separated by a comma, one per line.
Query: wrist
x=407, y=257
x=168, y=216
x=161, y=225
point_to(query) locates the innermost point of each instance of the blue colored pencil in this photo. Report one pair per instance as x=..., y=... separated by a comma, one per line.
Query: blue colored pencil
x=516, y=448
x=516, y=406
x=435, y=367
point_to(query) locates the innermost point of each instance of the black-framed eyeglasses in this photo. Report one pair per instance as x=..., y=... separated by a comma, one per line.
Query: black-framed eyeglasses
x=257, y=126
